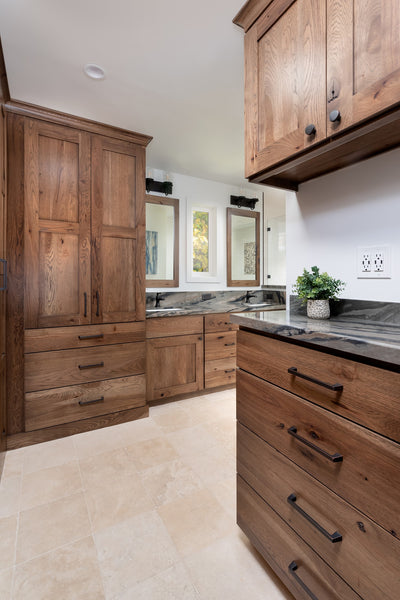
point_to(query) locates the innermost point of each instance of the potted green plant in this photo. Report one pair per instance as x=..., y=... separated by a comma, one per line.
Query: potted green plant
x=316, y=289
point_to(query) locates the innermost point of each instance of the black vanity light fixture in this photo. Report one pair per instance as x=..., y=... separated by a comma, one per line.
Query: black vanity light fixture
x=242, y=201
x=161, y=187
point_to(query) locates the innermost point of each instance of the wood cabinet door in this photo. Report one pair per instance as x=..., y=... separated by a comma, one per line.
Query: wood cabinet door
x=175, y=365
x=118, y=251
x=57, y=225
x=285, y=75
x=363, y=59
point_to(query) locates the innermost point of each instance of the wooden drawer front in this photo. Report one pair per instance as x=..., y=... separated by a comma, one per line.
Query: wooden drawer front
x=76, y=402
x=162, y=327
x=220, y=345
x=219, y=372
x=280, y=546
x=369, y=475
x=370, y=395
x=44, y=370
x=367, y=557
x=61, y=338
x=219, y=322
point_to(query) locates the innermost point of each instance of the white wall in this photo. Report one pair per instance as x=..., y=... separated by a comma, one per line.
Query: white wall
x=202, y=192
x=332, y=215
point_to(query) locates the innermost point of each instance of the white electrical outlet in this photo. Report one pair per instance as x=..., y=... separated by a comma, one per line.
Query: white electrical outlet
x=374, y=262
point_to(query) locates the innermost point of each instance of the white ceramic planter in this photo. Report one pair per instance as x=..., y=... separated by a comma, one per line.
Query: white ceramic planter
x=318, y=309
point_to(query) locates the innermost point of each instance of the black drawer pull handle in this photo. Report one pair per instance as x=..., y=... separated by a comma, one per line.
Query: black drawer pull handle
x=86, y=402
x=335, y=387
x=332, y=537
x=85, y=304
x=231, y=344
x=97, y=304
x=91, y=337
x=94, y=366
x=332, y=457
x=292, y=570
x=230, y=370
x=4, y=286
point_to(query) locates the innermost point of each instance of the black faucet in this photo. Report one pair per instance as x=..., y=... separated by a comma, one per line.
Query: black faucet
x=159, y=297
x=248, y=296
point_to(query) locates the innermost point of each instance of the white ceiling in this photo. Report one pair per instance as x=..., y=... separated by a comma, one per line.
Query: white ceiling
x=174, y=70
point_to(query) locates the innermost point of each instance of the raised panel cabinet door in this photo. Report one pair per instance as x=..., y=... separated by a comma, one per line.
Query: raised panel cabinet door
x=363, y=60
x=175, y=365
x=285, y=75
x=57, y=225
x=118, y=257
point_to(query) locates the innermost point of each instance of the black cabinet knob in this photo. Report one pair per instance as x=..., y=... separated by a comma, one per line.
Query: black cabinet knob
x=334, y=116
x=310, y=130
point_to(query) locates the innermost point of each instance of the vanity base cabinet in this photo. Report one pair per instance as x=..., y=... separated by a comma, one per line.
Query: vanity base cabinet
x=302, y=465
x=219, y=351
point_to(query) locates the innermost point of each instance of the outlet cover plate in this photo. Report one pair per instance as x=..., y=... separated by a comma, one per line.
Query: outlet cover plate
x=374, y=262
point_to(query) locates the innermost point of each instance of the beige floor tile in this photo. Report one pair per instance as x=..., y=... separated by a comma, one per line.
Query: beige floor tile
x=116, y=500
x=224, y=432
x=13, y=463
x=93, y=443
x=225, y=493
x=100, y=469
x=191, y=440
x=212, y=464
x=140, y=430
x=50, y=484
x=8, y=536
x=174, y=420
x=48, y=454
x=9, y=496
x=133, y=551
x=68, y=573
x=229, y=568
x=150, y=453
x=169, y=481
x=6, y=578
x=195, y=521
x=48, y=526
x=172, y=584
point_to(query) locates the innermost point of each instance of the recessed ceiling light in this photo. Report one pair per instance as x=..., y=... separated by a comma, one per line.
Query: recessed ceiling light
x=94, y=71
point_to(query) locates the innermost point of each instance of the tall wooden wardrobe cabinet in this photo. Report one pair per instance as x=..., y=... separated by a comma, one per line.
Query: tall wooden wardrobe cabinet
x=77, y=292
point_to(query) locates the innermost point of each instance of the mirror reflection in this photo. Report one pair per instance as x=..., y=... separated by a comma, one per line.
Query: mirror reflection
x=162, y=238
x=243, y=233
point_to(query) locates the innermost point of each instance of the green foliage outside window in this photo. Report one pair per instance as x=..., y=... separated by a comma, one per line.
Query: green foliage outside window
x=200, y=241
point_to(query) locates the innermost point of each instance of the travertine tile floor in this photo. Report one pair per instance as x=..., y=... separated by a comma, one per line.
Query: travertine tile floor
x=139, y=511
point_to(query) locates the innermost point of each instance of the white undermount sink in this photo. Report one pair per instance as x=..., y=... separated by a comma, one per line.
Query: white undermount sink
x=256, y=305
x=162, y=309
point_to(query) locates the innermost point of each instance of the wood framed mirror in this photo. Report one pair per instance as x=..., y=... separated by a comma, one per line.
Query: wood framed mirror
x=243, y=247
x=162, y=242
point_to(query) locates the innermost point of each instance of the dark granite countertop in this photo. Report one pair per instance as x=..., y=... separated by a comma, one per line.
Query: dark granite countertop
x=376, y=342
x=175, y=304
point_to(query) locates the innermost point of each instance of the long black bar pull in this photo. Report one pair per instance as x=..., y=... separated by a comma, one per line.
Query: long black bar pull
x=85, y=304
x=332, y=537
x=93, y=366
x=335, y=387
x=97, y=304
x=4, y=286
x=336, y=457
x=292, y=570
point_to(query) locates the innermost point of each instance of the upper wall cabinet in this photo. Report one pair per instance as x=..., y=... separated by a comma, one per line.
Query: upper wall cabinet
x=322, y=85
x=84, y=227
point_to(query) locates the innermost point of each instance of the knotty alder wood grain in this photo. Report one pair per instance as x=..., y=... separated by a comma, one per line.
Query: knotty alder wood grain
x=363, y=59
x=219, y=322
x=367, y=556
x=44, y=370
x=62, y=338
x=117, y=224
x=280, y=545
x=57, y=225
x=175, y=365
x=47, y=408
x=369, y=396
x=285, y=82
x=368, y=477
